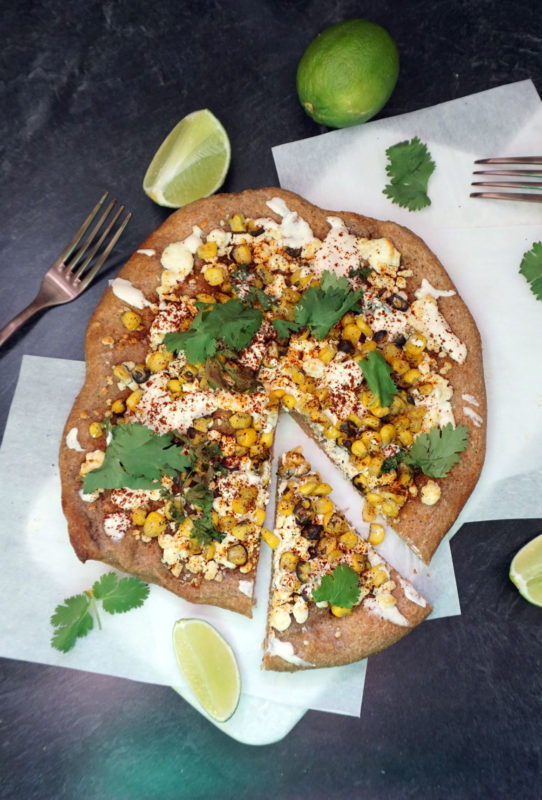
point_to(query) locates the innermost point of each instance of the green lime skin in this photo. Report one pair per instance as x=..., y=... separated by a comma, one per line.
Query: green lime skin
x=347, y=73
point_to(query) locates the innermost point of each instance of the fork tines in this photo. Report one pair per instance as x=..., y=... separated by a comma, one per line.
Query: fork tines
x=525, y=176
x=77, y=261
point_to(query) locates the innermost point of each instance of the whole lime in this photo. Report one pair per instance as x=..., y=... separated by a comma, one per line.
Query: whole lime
x=347, y=73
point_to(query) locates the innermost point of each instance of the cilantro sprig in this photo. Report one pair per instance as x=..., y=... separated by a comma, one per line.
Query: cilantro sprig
x=231, y=325
x=320, y=307
x=74, y=618
x=436, y=452
x=136, y=458
x=377, y=373
x=531, y=269
x=341, y=588
x=409, y=168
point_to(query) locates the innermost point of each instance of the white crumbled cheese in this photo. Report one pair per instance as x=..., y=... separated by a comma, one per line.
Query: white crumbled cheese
x=430, y=493
x=426, y=290
x=222, y=239
x=72, y=442
x=380, y=253
x=117, y=525
x=193, y=241
x=128, y=293
x=246, y=587
x=89, y=498
x=294, y=231
x=300, y=610
x=285, y=650
x=279, y=618
x=178, y=260
x=92, y=461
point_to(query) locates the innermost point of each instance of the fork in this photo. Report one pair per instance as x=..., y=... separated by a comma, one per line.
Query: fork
x=524, y=181
x=77, y=265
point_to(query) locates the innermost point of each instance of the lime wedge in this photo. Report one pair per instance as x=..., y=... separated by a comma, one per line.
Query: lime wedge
x=526, y=571
x=209, y=666
x=191, y=162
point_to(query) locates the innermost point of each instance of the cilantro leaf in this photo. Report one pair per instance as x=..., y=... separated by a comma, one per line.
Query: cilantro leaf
x=341, y=588
x=392, y=462
x=232, y=325
x=71, y=620
x=436, y=452
x=120, y=595
x=135, y=458
x=203, y=527
x=410, y=167
x=321, y=307
x=531, y=269
x=377, y=373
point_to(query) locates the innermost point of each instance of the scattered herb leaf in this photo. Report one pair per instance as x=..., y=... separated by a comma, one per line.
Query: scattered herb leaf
x=230, y=325
x=377, y=373
x=360, y=272
x=392, y=462
x=531, y=269
x=321, y=307
x=410, y=167
x=341, y=588
x=436, y=452
x=136, y=458
x=73, y=619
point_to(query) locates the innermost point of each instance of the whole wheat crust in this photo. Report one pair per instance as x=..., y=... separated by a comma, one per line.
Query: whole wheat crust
x=107, y=343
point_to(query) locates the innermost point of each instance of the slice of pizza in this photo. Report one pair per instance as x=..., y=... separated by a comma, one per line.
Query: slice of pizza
x=333, y=598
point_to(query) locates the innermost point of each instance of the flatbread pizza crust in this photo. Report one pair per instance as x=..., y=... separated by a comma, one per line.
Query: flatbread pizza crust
x=108, y=343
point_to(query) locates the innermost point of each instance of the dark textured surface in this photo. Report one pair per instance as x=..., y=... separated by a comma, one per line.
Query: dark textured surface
x=88, y=92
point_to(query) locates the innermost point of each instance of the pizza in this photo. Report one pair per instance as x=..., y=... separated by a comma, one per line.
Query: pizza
x=241, y=306
x=333, y=598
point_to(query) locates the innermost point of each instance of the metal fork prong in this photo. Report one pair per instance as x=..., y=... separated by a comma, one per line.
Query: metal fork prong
x=511, y=160
x=509, y=184
x=533, y=173
x=81, y=268
x=68, y=250
x=91, y=274
x=70, y=267
x=526, y=198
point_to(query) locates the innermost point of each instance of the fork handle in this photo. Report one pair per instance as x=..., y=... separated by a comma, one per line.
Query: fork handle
x=14, y=325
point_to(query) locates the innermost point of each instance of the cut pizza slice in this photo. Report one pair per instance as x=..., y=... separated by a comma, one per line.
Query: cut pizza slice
x=333, y=598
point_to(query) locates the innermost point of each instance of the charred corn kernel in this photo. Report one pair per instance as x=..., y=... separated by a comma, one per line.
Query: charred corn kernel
x=242, y=254
x=288, y=561
x=237, y=223
x=308, y=486
x=390, y=351
x=425, y=389
x=373, y=498
x=387, y=433
x=174, y=385
x=158, y=360
x=95, y=430
x=226, y=522
x=276, y=394
x=155, y=524
x=371, y=440
x=399, y=365
x=331, y=432
x=266, y=438
x=348, y=539
x=118, y=407
x=207, y=250
x=133, y=399
x=351, y=333
x=121, y=373
x=340, y=611
x=322, y=489
x=194, y=545
x=368, y=347
x=378, y=575
x=205, y=297
x=289, y=401
x=326, y=545
x=369, y=513
x=131, y=320
x=246, y=437
x=259, y=516
x=359, y=449
x=138, y=516
x=327, y=353
x=405, y=437
x=214, y=276
x=375, y=466
x=412, y=376
x=358, y=422
x=242, y=531
x=200, y=424
x=379, y=411
x=357, y=562
x=334, y=555
x=390, y=508
x=285, y=506
x=348, y=319
x=240, y=421
x=270, y=538
x=209, y=551
x=398, y=405
x=363, y=326
x=334, y=523
x=376, y=533
x=323, y=505
x=237, y=555
x=298, y=376
x=415, y=344
x=360, y=481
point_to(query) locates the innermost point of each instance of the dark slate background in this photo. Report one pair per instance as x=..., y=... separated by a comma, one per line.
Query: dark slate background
x=88, y=91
